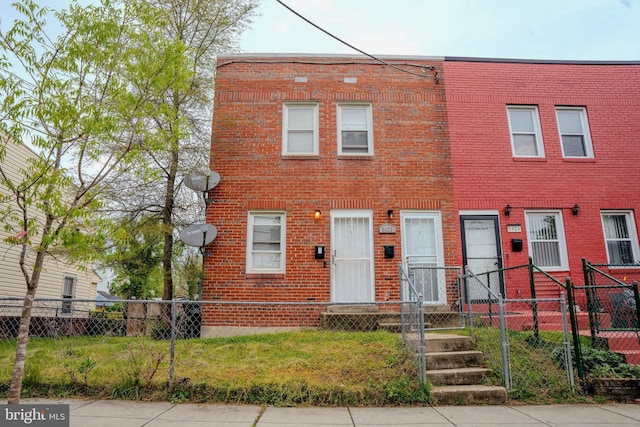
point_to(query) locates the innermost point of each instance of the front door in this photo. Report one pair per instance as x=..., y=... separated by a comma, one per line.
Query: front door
x=422, y=248
x=352, y=256
x=481, y=252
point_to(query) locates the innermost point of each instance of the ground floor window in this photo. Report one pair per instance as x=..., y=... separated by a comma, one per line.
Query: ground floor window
x=620, y=237
x=266, y=242
x=547, y=245
x=68, y=292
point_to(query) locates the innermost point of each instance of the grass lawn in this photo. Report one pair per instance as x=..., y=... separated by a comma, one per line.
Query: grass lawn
x=298, y=368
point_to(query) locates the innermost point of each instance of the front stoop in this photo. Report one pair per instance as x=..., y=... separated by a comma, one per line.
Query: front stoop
x=456, y=373
x=367, y=317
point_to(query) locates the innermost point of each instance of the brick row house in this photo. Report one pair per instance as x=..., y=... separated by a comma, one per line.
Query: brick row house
x=334, y=169
x=545, y=165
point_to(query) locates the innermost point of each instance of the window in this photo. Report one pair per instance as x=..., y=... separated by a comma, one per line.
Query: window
x=355, y=133
x=547, y=246
x=524, y=125
x=300, y=129
x=266, y=242
x=68, y=292
x=574, y=132
x=620, y=237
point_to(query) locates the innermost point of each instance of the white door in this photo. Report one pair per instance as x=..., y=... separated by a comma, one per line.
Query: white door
x=352, y=256
x=481, y=253
x=422, y=249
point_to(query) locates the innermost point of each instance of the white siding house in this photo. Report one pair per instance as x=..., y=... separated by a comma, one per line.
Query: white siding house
x=59, y=279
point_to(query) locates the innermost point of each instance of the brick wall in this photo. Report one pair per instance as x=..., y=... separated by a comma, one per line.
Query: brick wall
x=410, y=168
x=487, y=176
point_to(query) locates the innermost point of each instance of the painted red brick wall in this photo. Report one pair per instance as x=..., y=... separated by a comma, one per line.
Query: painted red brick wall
x=410, y=168
x=487, y=176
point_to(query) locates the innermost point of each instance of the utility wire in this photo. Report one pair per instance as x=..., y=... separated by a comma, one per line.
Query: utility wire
x=353, y=47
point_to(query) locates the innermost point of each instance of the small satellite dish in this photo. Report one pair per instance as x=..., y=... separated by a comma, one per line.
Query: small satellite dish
x=198, y=235
x=202, y=182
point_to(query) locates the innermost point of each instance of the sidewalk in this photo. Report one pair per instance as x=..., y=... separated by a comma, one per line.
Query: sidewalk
x=121, y=413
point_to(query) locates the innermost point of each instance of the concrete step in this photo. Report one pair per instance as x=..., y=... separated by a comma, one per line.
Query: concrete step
x=460, y=376
x=447, y=342
x=454, y=359
x=632, y=357
x=469, y=395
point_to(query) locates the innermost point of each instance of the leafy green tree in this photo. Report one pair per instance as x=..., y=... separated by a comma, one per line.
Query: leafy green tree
x=182, y=118
x=134, y=257
x=83, y=101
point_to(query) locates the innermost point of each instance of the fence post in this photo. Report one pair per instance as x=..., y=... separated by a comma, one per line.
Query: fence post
x=568, y=360
x=467, y=297
x=172, y=351
x=504, y=340
x=534, y=303
x=589, y=288
x=636, y=295
x=574, y=329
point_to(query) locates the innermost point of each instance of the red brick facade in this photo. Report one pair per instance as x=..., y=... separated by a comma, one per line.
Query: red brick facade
x=409, y=170
x=487, y=175
x=433, y=152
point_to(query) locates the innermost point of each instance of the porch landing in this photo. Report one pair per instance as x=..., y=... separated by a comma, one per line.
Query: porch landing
x=370, y=318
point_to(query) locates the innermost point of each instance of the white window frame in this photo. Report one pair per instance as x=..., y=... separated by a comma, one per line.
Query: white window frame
x=631, y=229
x=67, y=306
x=560, y=239
x=584, y=125
x=537, y=133
x=287, y=107
x=251, y=252
x=368, y=126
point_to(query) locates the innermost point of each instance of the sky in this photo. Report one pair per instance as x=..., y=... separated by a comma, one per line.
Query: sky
x=529, y=29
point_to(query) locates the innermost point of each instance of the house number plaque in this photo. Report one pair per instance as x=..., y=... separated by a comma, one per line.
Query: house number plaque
x=387, y=229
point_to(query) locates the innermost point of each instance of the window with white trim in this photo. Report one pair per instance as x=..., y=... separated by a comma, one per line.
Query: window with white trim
x=547, y=245
x=355, y=130
x=524, y=126
x=300, y=129
x=68, y=292
x=574, y=132
x=620, y=237
x=266, y=242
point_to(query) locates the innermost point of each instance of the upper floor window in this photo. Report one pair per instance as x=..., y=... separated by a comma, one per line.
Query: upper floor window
x=524, y=125
x=355, y=131
x=547, y=245
x=300, y=129
x=620, y=237
x=574, y=132
x=266, y=242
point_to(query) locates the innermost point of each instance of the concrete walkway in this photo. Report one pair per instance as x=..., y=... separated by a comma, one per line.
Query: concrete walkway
x=120, y=413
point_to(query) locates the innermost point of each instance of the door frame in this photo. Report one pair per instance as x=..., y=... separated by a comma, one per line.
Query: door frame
x=483, y=215
x=353, y=213
x=437, y=217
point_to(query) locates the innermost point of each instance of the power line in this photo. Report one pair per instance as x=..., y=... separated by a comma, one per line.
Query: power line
x=352, y=47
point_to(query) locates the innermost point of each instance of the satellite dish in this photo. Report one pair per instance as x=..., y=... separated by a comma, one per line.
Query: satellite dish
x=202, y=182
x=198, y=235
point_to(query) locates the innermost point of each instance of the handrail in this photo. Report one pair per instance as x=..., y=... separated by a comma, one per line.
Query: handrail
x=412, y=288
x=491, y=292
x=592, y=267
x=548, y=276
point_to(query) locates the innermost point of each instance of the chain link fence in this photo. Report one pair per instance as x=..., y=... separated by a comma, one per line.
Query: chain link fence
x=159, y=341
x=519, y=337
x=607, y=310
